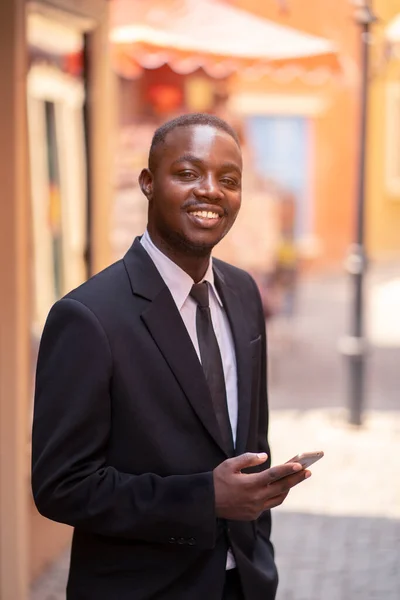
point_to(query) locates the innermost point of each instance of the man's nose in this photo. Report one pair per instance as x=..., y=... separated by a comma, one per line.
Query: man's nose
x=210, y=188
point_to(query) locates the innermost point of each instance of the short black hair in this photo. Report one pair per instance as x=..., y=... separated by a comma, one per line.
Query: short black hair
x=187, y=121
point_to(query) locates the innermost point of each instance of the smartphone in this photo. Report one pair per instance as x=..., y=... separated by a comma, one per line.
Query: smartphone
x=306, y=459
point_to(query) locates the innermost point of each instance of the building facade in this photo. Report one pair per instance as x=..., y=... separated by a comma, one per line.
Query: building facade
x=306, y=126
x=55, y=123
x=383, y=150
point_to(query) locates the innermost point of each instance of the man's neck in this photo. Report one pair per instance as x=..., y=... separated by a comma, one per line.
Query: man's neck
x=195, y=266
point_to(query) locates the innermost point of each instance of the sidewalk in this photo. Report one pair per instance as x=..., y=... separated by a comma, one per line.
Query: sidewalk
x=337, y=537
x=306, y=368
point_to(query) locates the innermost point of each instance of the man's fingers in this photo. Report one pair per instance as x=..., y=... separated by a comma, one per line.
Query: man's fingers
x=286, y=483
x=280, y=471
x=249, y=459
x=281, y=488
x=287, y=474
x=275, y=500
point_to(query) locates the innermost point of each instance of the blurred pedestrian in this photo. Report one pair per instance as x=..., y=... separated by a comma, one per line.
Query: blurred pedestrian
x=287, y=257
x=151, y=398
x=286, y=274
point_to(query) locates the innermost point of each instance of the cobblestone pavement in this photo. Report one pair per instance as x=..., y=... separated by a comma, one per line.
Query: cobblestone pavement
x=337, y=536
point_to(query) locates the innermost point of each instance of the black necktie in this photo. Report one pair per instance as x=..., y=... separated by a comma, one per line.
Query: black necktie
x=211, y=362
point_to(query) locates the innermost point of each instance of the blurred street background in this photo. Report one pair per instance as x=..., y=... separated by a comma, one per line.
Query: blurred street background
x=313, y=89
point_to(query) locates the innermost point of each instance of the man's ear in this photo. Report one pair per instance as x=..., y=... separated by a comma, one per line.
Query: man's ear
x=146, y=183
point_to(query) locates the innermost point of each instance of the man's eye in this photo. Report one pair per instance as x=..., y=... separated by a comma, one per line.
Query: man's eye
x=187, y=175
x=230, y=182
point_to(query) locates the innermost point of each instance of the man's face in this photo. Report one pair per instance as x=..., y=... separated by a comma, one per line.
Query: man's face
x=195, y=192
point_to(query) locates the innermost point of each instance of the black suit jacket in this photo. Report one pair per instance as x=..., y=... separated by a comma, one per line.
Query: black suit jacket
x=125, y=438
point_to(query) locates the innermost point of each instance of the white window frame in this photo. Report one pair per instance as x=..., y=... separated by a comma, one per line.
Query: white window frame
x=47, y=84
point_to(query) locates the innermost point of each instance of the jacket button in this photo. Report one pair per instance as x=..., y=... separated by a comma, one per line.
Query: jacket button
x=172, y=540
x=181, y=540
x=191, y=542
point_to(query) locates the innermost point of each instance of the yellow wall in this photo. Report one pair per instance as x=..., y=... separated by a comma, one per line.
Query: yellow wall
x=383, y=207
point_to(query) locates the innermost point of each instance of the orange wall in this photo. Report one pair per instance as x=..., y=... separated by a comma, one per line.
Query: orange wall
x=336, y=127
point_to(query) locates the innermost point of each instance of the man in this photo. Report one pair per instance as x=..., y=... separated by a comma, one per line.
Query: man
x=151, y=398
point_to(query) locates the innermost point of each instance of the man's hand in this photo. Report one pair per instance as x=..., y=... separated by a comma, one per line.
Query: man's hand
x=243, y=497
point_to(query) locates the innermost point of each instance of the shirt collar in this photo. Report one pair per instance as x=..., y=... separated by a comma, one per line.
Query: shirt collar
x=176, y=279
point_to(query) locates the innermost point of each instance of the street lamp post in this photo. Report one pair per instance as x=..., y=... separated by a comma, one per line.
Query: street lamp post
x=354, y=345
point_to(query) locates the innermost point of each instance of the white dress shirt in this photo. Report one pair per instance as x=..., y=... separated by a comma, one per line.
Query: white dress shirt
x=180, y=285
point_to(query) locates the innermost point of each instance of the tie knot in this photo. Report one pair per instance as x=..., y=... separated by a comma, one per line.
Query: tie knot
x=199, y=292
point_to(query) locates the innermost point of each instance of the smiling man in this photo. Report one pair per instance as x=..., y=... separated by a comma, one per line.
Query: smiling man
x=151, y=398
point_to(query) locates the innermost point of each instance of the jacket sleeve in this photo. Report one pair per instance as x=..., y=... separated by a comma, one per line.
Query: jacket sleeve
x=71, y=480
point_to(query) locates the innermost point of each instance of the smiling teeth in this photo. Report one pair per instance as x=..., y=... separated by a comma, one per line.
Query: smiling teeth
x=205, y=214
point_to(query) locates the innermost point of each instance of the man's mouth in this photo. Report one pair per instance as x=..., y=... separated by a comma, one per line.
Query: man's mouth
x=205, y=214
x=206, y=219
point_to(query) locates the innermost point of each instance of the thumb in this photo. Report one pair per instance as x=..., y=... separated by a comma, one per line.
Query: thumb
x=249, y=459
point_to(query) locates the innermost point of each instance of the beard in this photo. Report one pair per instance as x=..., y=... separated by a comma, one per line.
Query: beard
x=179, y=242
x=172, y=237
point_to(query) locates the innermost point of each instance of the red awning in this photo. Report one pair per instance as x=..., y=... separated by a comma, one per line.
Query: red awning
x=188, y=34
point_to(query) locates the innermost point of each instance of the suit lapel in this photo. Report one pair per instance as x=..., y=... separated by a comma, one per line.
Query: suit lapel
x=166, y=327
x=237, y=321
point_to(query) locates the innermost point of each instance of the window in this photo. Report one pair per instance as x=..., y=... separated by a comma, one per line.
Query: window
x=57, y=150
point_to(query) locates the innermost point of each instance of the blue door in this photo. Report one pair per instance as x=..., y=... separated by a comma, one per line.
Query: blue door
x=282, y=151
